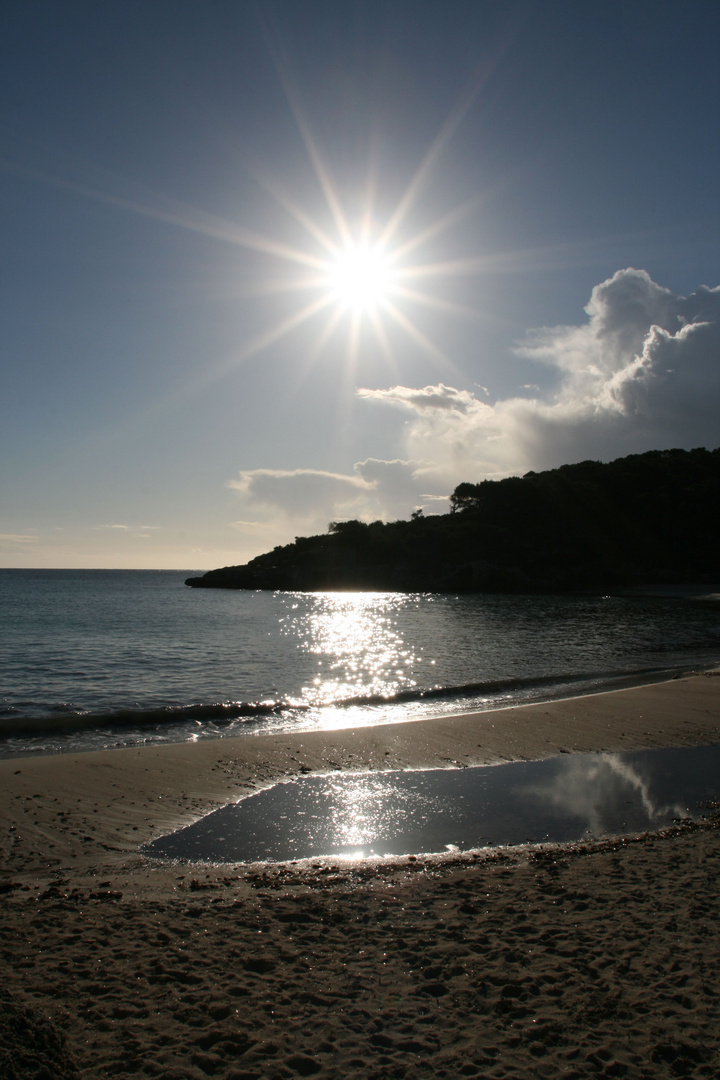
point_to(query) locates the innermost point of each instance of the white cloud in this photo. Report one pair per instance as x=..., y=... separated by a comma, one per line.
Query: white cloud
x=398, y=484
x=137, y=531
x=17, y=538
x=311, y=498
x=622, y=310
x=643, y=373
x=288, y=501
x=302, y=493
x=451, y=432
x=429, y=399
x=675, y=380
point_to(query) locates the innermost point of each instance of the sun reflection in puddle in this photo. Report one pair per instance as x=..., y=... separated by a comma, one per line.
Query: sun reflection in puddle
x=362, y=811
x=400, y=813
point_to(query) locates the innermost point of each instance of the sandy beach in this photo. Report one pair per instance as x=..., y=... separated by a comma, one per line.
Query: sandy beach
x=597, y=959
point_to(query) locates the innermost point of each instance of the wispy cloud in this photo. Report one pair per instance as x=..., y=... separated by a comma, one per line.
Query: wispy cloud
x=18, y=538
x=138, y=531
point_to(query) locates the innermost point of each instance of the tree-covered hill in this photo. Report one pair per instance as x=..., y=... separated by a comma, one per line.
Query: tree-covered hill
x=649, y=518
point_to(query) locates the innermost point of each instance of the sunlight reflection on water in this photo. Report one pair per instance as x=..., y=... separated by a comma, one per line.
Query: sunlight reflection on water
x=361, y=649
x=400, y=813
x=101, y=659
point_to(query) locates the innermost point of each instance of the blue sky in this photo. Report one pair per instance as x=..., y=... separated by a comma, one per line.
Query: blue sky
x=268, y=265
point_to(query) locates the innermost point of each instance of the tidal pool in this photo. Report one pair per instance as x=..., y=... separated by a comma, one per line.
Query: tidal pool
x=365, y=815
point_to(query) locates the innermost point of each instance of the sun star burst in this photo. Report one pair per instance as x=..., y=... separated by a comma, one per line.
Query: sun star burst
x=360, y=277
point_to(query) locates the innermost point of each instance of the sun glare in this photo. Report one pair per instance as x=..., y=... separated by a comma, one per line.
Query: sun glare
x=360, y=277
x=356, y=276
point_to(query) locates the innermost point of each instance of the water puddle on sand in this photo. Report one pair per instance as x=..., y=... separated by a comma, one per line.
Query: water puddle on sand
x=365, y=815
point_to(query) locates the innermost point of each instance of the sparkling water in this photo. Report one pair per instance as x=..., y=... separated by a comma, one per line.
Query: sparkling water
x=108, y=658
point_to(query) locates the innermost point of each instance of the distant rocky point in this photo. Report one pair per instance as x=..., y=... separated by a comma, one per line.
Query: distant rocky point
x=649, y=518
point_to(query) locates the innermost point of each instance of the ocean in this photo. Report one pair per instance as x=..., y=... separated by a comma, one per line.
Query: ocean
x=91, y=659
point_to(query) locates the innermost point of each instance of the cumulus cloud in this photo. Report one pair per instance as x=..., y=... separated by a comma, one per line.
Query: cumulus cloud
x=675, y=379
x=302, y=493
x=429, y=399
x=398, y=485
x=642, y=373
x=451, y=431
x=311, y=498
x=286, y=502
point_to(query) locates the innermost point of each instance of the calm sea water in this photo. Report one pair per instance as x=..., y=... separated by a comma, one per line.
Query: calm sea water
x=108, y=658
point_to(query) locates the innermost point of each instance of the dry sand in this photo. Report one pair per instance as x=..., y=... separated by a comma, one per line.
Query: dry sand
x=599, y=959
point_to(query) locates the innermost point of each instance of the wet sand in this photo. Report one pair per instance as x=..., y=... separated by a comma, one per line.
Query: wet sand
x=598, y=959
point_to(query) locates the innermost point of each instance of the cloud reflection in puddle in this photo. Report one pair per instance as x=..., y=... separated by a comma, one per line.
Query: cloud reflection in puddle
x=363, y=815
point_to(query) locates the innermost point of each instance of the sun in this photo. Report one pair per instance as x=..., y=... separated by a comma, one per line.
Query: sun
x=360, y=277
x=370, y=277
x=367, y=275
